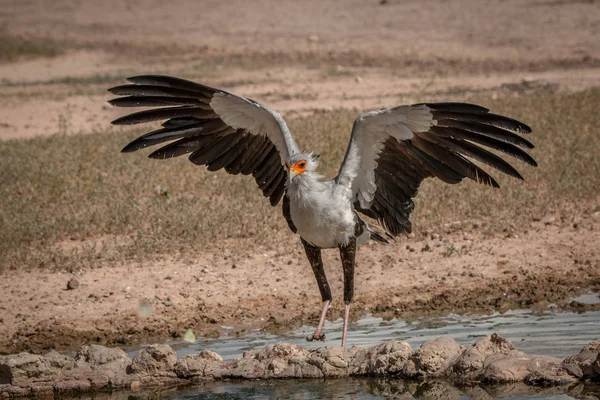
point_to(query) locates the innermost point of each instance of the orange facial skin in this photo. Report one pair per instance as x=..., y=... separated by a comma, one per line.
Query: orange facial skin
x=298, y=168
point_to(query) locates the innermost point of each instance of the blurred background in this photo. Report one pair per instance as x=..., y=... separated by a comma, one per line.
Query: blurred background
x=295, y=56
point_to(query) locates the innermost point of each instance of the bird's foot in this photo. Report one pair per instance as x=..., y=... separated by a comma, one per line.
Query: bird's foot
x=316, y=336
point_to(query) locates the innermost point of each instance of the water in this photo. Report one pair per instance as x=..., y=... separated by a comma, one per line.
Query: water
x=588, y=298
x=552, y=333
x=366, y=389
x=349, y=388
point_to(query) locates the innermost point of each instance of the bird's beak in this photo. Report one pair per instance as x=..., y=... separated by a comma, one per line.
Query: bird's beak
x=291, y=170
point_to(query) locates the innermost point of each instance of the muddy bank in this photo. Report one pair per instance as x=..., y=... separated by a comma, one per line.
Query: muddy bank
x=492, y=360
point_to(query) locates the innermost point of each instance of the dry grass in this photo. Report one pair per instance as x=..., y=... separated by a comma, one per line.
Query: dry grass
x=18, y=47
x=75, y=201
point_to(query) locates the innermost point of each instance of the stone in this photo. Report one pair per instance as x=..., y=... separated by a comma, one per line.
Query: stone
x=97, y=355
x=23, y=369
x=388, y=358
x=246, y=367
x=515, y=366
x=154, y=359
x=553, y=375
x=331, y=361
x=70, y=386
x=587, y=360
x=280, y=360
x=470, y=363
x=433, y=357
x=72, y=284
x=442, y=361
x=57, y=360
x=108, y=365
x=206, y=364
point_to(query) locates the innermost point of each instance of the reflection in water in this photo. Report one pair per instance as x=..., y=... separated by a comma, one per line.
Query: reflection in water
x=351, y=388
x=372, y=388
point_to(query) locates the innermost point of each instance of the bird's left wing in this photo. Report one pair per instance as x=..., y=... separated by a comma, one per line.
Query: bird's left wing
x=219, y=129
x=391, y=151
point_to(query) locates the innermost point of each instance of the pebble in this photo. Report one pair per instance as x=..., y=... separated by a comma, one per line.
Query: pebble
x=72, y=284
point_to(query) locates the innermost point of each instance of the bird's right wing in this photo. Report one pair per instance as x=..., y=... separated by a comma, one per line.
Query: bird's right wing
x=219, y=129
x=391, y=151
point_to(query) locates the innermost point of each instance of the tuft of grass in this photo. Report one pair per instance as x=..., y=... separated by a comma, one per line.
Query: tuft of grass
x=18, y=47
x=338, y=71
x=75, y=201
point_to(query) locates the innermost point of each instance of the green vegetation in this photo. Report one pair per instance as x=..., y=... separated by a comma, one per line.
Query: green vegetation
x=76, y=201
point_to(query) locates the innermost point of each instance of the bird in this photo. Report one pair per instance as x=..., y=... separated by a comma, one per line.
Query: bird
x=390, y=152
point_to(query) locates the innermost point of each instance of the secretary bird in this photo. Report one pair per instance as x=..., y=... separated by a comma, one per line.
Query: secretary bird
x=390, y=153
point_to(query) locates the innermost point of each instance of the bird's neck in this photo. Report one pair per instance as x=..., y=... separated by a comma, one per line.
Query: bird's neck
x=302, y=185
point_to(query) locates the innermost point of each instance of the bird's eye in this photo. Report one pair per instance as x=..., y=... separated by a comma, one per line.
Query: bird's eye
x=302, y=165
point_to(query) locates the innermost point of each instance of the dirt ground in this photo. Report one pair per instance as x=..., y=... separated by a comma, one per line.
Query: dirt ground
x=297, y=57
x=453, y=270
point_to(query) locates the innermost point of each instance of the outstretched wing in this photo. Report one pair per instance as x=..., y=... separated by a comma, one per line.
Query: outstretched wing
x=391, y=151
x=219, y=129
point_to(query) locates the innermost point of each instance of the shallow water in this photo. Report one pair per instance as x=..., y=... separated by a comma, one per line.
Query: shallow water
x=588, y=298
x=550, y=332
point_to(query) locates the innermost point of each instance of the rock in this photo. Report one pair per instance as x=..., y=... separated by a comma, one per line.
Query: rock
x=492, y=359
x=206, y=364
x=550, y=376
x=515, y=366
x=108, y=366
x=279, y=350
x=23, y=369
x=157, y=358
x=433, y=357
x=99, y=356
x=284, y=360
x=72, y=284
x=72, y=386
x=280, y=360
x=332, y=362
x=247, y=367
x=59, y=361
x=388, y=358
x=471, y=362
x=587, y=361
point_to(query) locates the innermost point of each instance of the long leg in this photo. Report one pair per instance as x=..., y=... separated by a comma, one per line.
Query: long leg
x=313, y=254
x=348, y=256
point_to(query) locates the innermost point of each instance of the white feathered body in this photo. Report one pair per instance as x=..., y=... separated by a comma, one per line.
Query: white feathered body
x=322, y=211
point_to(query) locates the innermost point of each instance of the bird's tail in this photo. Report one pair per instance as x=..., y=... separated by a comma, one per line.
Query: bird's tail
x=376, y=236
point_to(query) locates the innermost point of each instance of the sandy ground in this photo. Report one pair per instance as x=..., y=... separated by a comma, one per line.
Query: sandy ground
x=296, y=58
x=456, y=269
x=293, y=57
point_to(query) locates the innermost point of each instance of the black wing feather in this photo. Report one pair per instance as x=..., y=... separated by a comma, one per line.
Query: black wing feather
x=157, y=101
x=152, y=90
x=191, y=126
x=456, y=133
x=163, y=113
